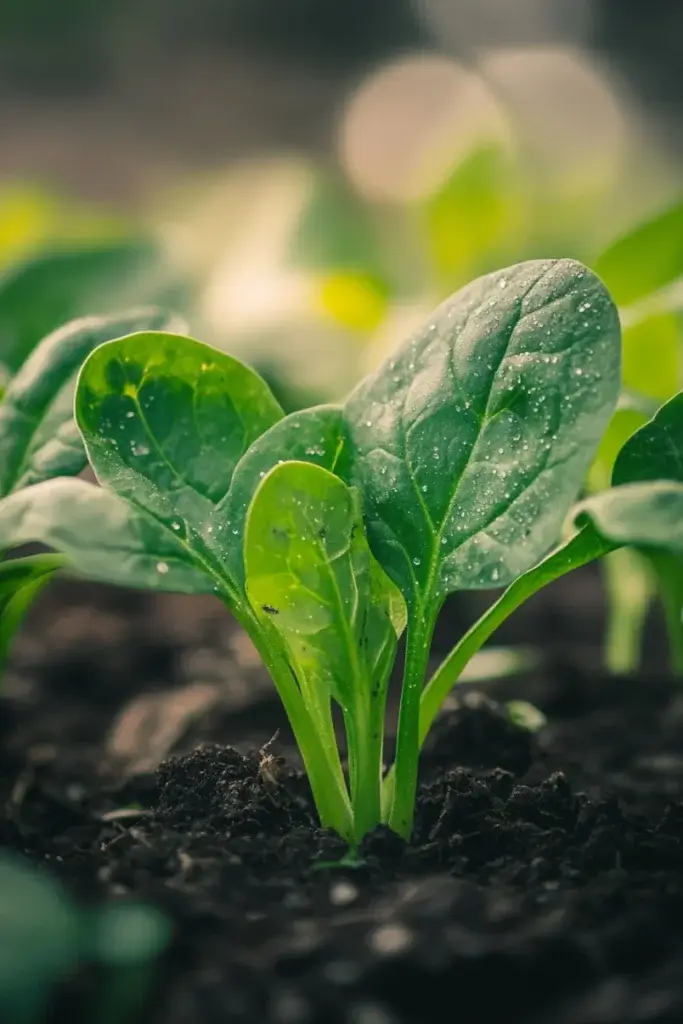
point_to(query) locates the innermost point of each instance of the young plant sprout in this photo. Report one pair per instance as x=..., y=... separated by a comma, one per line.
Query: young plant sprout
x=331, y=531
x=39, y=439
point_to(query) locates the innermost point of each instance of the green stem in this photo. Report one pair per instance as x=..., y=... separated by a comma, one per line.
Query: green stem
x=629, y=591
x=365, y=773
x=582, y=548
x=418, y=642
x=669, y=572
x=319, y=754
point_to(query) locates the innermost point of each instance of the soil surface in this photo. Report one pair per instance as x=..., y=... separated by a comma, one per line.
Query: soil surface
x=543, y=884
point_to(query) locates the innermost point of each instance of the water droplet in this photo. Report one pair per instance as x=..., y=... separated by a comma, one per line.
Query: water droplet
x=175, y=525
x=424, y=488
x=162, y=568
x=130, y=414
x=416, y=561
x=140, y=449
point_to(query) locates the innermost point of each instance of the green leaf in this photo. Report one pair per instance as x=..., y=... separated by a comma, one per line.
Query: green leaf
x=38, y=435
x=477, y=210
x=165, y=420
x=310, y=573
x=644, y=259
x=582, y=547
x=336, y=232
x=655, y=452
x=21, y=580
x=103, y=537
x=651, y=352
x=472, y=442
x=643, y=515
x=40, y=927
x=313, y=435
x=38, y=295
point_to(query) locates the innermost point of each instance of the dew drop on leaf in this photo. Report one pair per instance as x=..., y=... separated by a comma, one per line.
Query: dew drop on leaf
x=162, y=568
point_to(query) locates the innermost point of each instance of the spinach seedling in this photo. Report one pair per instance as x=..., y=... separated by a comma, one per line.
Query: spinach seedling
x=39, y=440
x=330, y=531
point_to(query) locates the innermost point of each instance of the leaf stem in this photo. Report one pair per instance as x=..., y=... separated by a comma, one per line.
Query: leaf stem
x=580, y=549
x=629, y=592
x=321, y=760
x=583, y=547
x=669, y=572
x=419, y=637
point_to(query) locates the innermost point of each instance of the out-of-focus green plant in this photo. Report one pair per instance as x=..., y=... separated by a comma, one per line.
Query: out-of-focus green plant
x=45, y=939
x=39, y=440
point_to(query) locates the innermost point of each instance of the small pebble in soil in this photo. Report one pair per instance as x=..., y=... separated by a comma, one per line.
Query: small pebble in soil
x=290, y=1008
x=391, y=939
x=370, y=1013
x=343, y=893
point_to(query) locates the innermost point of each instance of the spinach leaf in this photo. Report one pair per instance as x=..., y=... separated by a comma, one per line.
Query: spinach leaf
x=644, y=507
x=38, y=435
x=643, y=515
x=102, y=537
x=165, y=420
x=21, y=579
x=310, y=573
x=313, y=435
x=655, y=452
x=472, y=442
x=56, y=286
x=645, y=258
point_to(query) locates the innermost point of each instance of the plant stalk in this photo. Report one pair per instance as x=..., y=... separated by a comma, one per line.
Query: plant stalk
x=418, y=641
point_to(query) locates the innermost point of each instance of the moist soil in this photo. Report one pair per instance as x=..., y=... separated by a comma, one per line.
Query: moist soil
x=543, y=883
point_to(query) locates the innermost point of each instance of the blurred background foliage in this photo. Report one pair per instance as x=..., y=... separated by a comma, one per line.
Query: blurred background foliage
x=306, y=181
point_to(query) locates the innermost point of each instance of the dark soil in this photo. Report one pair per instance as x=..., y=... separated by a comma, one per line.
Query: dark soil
x=544, y=882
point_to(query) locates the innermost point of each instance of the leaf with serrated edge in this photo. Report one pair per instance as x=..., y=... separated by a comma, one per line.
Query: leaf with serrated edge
x=38, y=436
x=471, y=443
x=103, y=537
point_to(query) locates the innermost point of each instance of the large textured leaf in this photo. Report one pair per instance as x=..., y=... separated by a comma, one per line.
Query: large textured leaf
x=165, y=421
x=644, y=259
x=655, y=452
x=38, y=435
x=313, y=435
x=21, y=579
x=38, y=295
x=102, y=537
x=472, y=442
x=310, y=572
